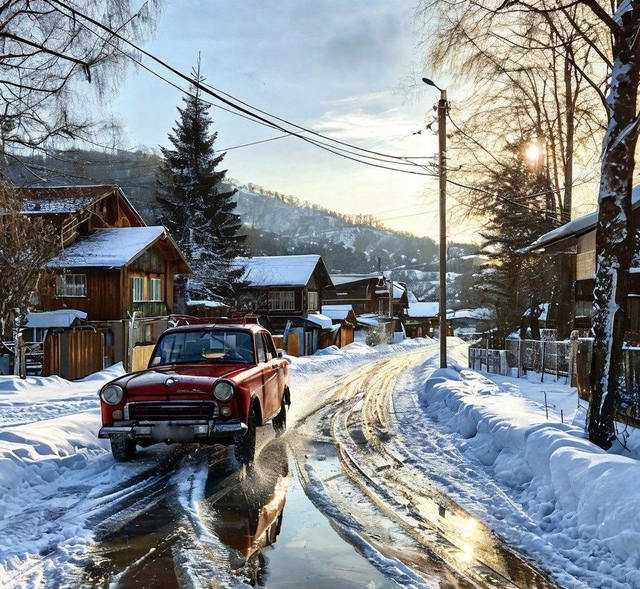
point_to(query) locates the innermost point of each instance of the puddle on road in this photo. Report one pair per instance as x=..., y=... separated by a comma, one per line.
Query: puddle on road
x=276, y=536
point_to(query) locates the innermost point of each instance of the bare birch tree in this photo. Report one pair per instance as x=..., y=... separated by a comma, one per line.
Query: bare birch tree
x=26, y=244
x=604, y=39
x=53, y=55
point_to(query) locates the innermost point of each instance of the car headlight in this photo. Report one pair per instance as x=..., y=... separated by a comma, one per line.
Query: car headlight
x=112, y=394
x=223, y=391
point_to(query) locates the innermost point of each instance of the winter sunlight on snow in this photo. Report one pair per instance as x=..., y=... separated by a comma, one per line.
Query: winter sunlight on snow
x=523, y=469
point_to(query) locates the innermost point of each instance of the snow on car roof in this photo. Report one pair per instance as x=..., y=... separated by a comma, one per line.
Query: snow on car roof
x=109, y=248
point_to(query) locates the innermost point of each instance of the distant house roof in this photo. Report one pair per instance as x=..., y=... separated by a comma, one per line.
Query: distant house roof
x=114, y=248
x=282, y=270
x=481, y=313
x=416, y=310
x=337, y=312
x=340, y=279
x=49, y=319
x=209, y=304
x=54, y=200
x=577, y=227
x=321, y=320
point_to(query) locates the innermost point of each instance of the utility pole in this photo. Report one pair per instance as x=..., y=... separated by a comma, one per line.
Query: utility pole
x=443, y=107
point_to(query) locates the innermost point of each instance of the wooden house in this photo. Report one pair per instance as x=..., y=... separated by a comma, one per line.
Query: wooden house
x=344, y=317
x=113, y=273
x=423, y=319
x=112, y=267
x=288, y=290
x=368, y=293
x=578, y=240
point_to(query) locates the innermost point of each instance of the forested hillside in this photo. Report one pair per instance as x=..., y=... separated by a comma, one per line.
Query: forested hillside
x=278, y=224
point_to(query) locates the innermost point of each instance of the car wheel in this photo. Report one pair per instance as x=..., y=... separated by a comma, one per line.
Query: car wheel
x=245, y=446
x=123, y=449
x=280, y=420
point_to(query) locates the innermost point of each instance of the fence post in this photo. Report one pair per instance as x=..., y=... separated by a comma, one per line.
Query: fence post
x=542, y=361
x=519, y=358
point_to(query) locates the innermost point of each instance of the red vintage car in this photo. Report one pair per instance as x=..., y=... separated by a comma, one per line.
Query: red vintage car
x=205, y=383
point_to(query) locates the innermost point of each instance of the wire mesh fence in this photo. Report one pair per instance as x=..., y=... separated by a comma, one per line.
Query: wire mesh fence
x=555, y=358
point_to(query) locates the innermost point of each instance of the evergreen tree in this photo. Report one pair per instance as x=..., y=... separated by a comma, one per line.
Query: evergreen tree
x=519, y=213
x=201, y=211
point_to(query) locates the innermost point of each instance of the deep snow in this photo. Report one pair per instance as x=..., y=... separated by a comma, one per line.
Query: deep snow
x=553, y=495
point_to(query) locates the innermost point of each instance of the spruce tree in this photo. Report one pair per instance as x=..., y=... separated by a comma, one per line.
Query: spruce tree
x=520, y=211
x=199, y=208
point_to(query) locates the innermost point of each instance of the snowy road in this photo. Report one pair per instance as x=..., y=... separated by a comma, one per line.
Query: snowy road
x=362, y=472
x=177, y=516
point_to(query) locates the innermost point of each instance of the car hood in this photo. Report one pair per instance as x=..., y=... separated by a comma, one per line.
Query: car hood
x=183, y=378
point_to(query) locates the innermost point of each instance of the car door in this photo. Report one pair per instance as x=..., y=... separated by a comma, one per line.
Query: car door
x=269, y=362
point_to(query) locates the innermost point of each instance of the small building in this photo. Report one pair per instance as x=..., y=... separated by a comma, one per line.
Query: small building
x=422, y=319
x=577, y=239
x=345, y=318
x=288, y=290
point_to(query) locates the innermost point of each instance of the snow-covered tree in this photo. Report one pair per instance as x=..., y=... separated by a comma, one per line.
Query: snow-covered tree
x=27, y=242
x=201, y=211
x=517, y=212
x=615, y=239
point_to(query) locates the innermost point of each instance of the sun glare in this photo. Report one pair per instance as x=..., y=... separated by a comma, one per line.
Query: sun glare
x=533, y=153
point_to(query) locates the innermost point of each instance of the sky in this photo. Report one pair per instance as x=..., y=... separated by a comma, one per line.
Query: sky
x=348, y=70
x=510, y=451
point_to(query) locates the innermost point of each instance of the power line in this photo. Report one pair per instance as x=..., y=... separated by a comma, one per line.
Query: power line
x=348, y=151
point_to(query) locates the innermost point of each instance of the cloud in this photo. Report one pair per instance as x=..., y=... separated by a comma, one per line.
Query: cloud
x=374, y=118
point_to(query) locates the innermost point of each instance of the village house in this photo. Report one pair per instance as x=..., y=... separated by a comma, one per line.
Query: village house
x=288, y=290
x=378, y=302
x=578, y=239
x=113, y=269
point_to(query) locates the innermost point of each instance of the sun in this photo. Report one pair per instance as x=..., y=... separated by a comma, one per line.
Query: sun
x=532, y=153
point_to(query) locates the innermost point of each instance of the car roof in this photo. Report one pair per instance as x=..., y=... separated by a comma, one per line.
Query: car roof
x=254, y=327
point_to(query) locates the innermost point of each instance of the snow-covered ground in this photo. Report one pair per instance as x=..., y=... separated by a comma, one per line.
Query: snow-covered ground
x=552, y=493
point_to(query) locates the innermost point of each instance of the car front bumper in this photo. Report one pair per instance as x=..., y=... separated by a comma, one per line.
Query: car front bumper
x=174, y=431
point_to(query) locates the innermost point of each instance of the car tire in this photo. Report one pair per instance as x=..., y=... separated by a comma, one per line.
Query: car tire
x=245, y=446
x=280, y=420
x=123, y=449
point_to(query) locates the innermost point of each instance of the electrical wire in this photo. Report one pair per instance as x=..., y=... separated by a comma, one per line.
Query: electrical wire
x=360, y=154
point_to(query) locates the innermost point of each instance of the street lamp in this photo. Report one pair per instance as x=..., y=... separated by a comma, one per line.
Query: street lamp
x=443, y=106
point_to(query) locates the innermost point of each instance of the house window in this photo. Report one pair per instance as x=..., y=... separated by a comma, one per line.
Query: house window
x=72, y=285
x=137, y=288
x=313, y=301
x=154, y=289
x=282, y=300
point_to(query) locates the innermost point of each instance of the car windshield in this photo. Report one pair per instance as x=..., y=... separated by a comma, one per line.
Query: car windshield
x=204, y=346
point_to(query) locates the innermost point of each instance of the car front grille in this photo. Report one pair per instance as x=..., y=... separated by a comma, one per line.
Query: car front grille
x=182, y=411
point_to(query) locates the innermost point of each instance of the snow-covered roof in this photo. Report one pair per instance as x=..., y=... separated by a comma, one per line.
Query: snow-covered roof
x=481, y=313
x=108, y=248
x=337, y=312
x=398, y=290
x=340, y=279
x=577, y=227
x=279, y=270
x=210, y=304
x=62, y=199
x=61, y=318
x=321, y=320
x=429, y=309
x=368, y=319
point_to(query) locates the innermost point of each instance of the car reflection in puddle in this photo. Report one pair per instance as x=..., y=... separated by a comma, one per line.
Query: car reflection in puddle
x=250, y=508
x=244, y=510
